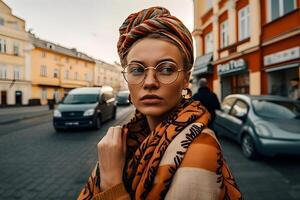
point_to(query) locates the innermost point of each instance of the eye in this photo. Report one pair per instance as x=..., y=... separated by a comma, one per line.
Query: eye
x=166, y=68
x=135, y=69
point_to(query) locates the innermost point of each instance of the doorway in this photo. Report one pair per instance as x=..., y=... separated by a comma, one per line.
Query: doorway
x=3, y=97
x=18, y=97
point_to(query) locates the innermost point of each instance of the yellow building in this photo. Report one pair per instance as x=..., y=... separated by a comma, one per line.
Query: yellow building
x=15, y=87
x=109, y=74
x=55, y=70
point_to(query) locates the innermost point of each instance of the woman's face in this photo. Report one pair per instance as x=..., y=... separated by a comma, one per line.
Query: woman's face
x=150, y=97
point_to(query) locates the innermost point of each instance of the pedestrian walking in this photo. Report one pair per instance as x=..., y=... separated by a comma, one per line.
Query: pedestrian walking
x=166, y=151
x=208, y=99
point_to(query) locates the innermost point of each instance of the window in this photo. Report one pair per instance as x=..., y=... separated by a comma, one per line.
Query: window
x=224, y=34
x=2, y=46
x=208, y=43
x=227, y=103
x=76, y=76
x=55, y=73
x=244, y=23
x=16, y=49
x=43, y=71
x=17, y=73
x=278, y=8
x=208, y=4
x=239, y=109
x=67, y=74
x=1, y=21
x=44, y=94
x=43, y=54
x=3, y=72
x=86, y=77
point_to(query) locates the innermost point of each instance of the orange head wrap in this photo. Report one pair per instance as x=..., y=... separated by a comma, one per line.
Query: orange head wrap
x=155, y=20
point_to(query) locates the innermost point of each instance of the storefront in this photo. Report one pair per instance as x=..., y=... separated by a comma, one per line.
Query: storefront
x=283, y=71
x=234, y=77
x=202, y=69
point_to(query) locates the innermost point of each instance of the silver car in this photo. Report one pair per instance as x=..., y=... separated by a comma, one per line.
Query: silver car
x=262, y=125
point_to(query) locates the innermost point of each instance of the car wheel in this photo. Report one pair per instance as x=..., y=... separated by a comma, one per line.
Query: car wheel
x=248, y=147
x=98, y=123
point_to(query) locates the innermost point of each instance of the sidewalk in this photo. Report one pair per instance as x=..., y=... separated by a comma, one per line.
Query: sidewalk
x=14, y=114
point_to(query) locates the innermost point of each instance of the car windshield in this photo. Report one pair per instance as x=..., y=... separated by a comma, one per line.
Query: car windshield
x=277, y=109
x=81, y=99
x=123, y=94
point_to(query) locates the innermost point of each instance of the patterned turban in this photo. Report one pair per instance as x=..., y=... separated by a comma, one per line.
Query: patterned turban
x=155, y=20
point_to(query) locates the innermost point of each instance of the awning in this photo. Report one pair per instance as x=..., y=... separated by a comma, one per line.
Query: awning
x=203, y=65
x=282, y=67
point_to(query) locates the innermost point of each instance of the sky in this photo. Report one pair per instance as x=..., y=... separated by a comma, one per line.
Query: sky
x=90, y=26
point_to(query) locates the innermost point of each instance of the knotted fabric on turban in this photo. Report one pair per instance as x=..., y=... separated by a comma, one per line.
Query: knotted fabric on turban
x=155, y=20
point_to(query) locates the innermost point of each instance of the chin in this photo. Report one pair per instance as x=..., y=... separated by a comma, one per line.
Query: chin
x=153, y=111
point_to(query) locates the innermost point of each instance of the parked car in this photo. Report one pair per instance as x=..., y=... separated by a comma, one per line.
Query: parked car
x=262, y=125
x=85, y=107
x=123, y=97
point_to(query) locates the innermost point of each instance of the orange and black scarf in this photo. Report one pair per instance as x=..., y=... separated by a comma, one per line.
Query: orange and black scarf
x=146, y=176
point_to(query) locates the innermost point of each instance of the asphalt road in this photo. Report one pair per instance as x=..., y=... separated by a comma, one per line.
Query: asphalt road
x=38, y=163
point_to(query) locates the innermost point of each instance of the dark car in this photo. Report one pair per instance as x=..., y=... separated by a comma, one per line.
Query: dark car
x=85, y=107
x=123, y=97
x=263, y=125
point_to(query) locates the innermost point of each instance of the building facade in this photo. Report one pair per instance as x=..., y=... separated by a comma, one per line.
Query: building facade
x=15, y=85
x=238, y=43
x=55, y=70
x=109, y=74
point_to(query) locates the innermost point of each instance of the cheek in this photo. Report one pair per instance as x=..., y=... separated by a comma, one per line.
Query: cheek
x=133, y=93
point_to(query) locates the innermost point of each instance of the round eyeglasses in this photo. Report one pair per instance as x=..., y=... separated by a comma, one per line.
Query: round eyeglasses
x=166, y=72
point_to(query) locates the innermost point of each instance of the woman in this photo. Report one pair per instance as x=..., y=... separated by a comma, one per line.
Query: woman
x=166, y=151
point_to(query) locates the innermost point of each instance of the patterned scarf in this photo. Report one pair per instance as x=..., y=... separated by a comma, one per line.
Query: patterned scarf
x=155, y=158
x=146, y=149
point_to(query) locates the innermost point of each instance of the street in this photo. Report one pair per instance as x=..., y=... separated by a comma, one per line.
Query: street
x=38, y=163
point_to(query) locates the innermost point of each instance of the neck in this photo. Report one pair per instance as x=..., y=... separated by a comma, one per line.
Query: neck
x=153, y=122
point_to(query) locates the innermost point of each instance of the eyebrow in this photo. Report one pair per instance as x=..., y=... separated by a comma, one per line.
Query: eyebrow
x=159, y=61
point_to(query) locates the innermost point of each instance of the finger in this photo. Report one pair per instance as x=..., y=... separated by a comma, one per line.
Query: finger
x=117, y=134
x=124, y=138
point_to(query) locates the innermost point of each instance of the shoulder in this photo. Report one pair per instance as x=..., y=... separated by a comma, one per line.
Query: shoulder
x=204, y=152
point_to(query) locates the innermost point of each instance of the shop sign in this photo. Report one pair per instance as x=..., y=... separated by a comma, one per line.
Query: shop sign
x=232, y=66
x=281, y=56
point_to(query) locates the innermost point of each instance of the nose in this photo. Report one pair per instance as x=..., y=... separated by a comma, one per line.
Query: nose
x=150, y=81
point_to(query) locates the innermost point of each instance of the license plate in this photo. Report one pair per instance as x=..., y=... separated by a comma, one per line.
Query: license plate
x=72, y=123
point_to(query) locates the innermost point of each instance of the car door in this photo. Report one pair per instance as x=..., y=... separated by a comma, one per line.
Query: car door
x=237, y=117
x=221, y=121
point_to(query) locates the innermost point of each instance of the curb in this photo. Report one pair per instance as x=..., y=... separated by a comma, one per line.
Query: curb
x=23, y=118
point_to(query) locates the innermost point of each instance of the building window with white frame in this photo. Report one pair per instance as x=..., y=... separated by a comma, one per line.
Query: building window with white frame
x=2, y=46
x=224, y=34
x=2, y=21
x=3, y=72
x=16, y=49
x=208, y=43
x=17, y=73
x=76, y=76
x=44, y=94
x=244, y=23
x=86, y=77
x=55, y=73
x=67, y=74
x=43, y=71
x=208, y=4
x=278, y=8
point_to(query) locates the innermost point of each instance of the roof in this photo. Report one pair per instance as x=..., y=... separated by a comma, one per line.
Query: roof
x=262, y=97
x=50, y=46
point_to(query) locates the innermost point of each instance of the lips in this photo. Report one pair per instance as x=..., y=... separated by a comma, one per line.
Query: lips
x=151, y=99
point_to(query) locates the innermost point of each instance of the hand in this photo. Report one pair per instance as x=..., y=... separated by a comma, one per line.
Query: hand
x=111, y=156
